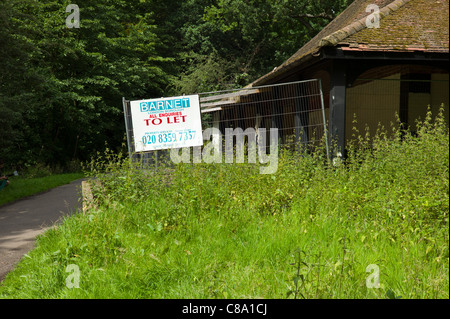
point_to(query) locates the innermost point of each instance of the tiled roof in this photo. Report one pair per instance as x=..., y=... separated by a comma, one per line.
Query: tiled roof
x=419, y=25
x=405, y=25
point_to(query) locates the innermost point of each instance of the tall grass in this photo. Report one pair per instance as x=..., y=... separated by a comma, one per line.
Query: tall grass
x=225, y=231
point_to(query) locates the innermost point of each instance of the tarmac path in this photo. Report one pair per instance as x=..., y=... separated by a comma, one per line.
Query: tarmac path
x=23, y=220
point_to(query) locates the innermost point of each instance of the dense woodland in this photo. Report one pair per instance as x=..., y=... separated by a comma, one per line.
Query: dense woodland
x=61, y=88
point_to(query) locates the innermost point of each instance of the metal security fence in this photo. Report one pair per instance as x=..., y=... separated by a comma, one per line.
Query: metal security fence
x=295, y=110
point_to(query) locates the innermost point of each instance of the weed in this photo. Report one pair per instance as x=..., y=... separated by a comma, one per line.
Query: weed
x=299, y=276
x=226, y=231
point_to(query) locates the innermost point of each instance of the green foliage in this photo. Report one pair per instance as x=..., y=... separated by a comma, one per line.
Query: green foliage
x=70, y=101
x=246, y=38
x=225, y=231
x=203, y=74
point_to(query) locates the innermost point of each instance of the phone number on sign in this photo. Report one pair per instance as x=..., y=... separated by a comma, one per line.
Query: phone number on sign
x=168, y=137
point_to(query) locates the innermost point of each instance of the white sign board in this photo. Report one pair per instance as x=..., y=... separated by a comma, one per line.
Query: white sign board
x=166, y=123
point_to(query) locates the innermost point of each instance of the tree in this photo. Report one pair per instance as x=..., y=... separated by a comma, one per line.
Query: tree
x=251, y=36
x=17, y=81
x=84, y=72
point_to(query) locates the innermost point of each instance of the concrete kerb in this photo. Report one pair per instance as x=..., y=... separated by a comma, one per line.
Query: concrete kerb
x=88, y=200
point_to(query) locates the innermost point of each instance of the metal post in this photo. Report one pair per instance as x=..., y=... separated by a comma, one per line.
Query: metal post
x=300, y=120
x=277, y=110
x=337, y=108
x=325, y=132
x=216, y=124
x=127, y=128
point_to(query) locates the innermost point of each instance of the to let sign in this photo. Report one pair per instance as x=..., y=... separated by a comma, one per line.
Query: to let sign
x=166, y=123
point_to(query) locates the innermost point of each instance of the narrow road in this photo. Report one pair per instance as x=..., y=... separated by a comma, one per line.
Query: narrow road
x=23, y=220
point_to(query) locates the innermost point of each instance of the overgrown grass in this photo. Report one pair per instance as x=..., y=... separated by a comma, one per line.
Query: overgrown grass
x=225, y=231
x=21, y=187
